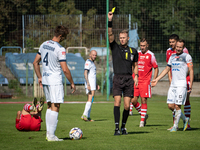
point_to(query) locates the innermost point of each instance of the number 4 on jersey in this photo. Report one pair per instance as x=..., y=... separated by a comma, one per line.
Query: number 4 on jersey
x=45, y=60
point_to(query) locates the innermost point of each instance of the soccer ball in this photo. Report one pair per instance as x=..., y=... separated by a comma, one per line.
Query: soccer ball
x=75, y=133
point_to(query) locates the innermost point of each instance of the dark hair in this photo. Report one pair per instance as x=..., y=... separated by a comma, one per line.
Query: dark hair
x=143, y=40
x=174, y=36
x=124, y=31
x=181, y=41
x=61, y=30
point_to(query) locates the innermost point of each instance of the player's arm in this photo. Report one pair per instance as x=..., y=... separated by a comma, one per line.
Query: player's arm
x=68, y=74
x=191, y=71
x=86, y=78
x=156, y=70
x=37, y=68
x=110, y=34
x=169, y=77
x=163, y=73
x=135, y=71
x=155, y=66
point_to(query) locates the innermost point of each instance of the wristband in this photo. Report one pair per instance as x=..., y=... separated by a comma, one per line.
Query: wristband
x=110, y=24
x=136, y=75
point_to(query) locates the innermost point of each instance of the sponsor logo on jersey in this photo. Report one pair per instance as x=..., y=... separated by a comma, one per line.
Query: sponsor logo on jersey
x=142, y=57
x=141, y=62
x=46, y=74
x=63, y=53
x=169, y=100
x=177, y=57
x=86, y=64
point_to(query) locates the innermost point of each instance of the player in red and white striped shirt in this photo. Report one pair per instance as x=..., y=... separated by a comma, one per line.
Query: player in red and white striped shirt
x=146, y=61
x=187, y=107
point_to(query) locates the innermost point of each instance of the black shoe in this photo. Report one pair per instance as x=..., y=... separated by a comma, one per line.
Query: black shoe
x=124, y=132
x=145, y=119
x=117, y=132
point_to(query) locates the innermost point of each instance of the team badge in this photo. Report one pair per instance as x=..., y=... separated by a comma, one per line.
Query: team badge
x=132, y=56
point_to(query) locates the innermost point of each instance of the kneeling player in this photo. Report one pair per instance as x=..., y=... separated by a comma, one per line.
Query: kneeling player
x=24, y=119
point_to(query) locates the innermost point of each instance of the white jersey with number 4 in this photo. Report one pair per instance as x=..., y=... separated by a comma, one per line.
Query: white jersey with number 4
x=52, y=53
x=179, y=66
x=90, y=66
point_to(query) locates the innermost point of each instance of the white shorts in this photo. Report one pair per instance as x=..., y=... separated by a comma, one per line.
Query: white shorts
x=54, y=93
x=93, y=85
x=177, y=95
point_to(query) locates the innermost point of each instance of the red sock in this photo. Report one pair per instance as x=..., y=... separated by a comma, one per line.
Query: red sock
x=187, y=109
x=131, y=107
x=138, y=107
x=28, y=107
x=143, y=111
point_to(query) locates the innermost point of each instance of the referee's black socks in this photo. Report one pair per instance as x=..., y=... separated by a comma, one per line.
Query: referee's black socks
x=125, y=117
x=116, y=116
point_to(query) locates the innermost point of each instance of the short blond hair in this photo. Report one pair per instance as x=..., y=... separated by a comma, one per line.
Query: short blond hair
x=124, y=31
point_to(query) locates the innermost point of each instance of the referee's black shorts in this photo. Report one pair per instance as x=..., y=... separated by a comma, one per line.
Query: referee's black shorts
x=123, y=84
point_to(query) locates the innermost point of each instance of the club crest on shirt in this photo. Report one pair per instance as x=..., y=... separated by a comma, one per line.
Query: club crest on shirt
x=132, y=56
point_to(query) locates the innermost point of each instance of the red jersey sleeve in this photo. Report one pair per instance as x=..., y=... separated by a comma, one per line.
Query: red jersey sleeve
x=153, y=61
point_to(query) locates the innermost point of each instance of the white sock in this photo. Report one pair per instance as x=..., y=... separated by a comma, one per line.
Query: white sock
x=47, y=118
x=87, y=108
x=53, y=123
x=183, y=117
x=89, y=111
x=177, y=117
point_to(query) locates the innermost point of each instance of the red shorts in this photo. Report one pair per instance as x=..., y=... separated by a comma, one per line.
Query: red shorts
x=188, y=81
x=143, y=90
x=28, y=123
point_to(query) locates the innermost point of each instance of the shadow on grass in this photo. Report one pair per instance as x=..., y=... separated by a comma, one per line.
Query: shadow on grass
x=154, y=125
x=141, y=132
x=192, y=129
x=134, y=115
x=100, y=120
x=67, y=138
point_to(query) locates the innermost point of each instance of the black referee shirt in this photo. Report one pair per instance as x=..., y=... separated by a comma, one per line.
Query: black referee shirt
x=123, y=58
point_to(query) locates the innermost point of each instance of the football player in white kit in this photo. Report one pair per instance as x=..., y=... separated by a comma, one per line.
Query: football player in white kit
x=90, y=84
x=179, y=63
x=53, y=58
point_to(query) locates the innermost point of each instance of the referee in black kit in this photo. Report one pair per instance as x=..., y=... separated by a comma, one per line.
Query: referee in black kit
x=124, y=63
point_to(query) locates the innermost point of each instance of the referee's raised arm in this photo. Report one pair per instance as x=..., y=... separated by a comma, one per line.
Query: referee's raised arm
x=110, y=34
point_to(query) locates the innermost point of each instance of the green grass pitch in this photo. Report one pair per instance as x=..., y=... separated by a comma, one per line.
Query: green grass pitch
x=98, y=135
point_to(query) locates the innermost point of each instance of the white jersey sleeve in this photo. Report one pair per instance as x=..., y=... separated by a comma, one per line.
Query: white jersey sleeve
x=87, y=65
x=61, y=54
x=188, y=59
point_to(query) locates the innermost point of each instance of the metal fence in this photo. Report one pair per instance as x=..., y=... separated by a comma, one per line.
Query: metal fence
x=30, y=24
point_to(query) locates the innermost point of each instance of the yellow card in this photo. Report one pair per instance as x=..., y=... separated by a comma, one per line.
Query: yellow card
x=113, y=9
